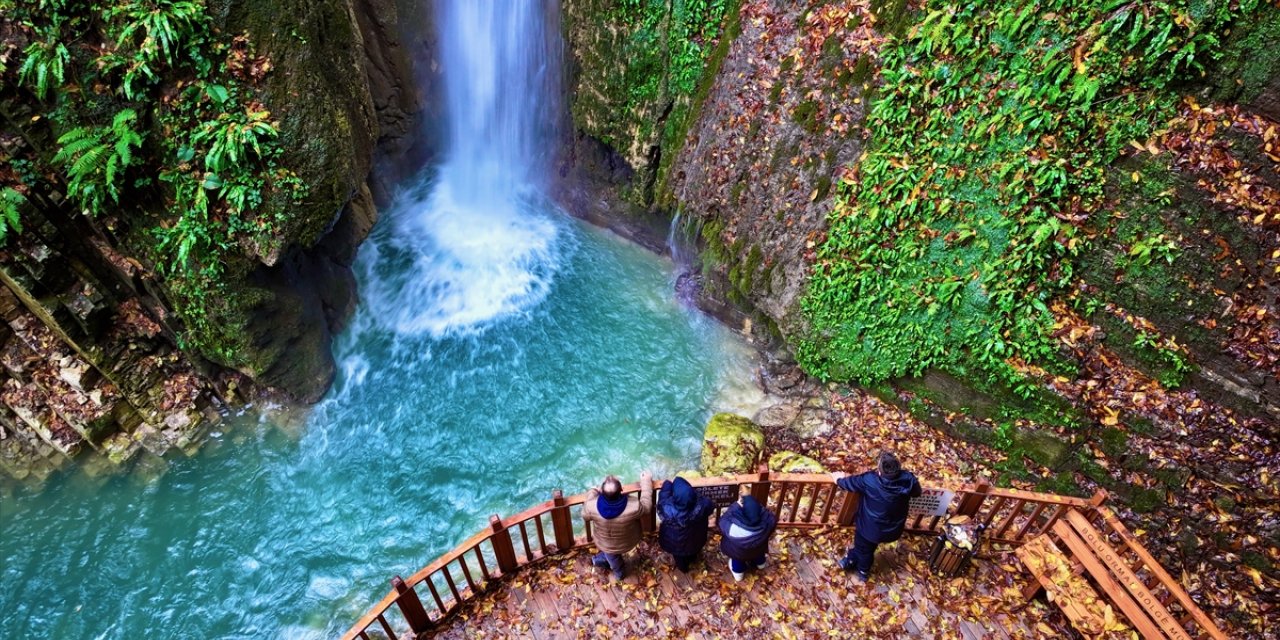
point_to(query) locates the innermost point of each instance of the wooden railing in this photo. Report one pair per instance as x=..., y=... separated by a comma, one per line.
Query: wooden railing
x=800, y=501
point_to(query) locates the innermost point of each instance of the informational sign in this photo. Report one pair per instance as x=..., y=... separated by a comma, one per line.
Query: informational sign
x=932, y=502
x=721, y=494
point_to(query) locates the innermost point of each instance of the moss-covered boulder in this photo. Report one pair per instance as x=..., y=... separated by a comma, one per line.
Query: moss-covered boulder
x=731, y=444
x=792, y=462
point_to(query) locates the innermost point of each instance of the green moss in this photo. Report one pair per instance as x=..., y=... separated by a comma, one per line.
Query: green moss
x=892, y=16
x=1143, y=500
x=1256, y=560
x=823, y=188
x=731, y=444
x=775, y=92
x=1251, y=57
x=832, y=54
x=792, y=462
x=806, y=115
x=1172, y=479
x=650, y=66
x=1061, y=484
x=1114, y=442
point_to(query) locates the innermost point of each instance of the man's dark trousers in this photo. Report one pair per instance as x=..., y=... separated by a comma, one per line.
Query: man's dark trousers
x=861, y=554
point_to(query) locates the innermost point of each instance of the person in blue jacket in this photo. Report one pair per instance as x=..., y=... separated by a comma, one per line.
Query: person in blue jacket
x=684, y=514
x=745, y=529
x=882, y=510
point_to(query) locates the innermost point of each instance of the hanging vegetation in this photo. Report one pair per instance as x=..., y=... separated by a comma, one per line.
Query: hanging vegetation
x=991, y=134
x=154, y=116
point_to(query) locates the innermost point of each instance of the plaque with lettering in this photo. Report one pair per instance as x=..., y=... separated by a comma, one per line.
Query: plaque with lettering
x=722, y=495
x=932, y=502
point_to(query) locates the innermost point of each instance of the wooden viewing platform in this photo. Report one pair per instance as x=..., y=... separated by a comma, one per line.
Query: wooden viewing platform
x=481, y=588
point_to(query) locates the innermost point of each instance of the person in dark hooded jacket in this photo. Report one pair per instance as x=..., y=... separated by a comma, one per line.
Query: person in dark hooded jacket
x=745, y=529
x=684, y=514
x=882, y=510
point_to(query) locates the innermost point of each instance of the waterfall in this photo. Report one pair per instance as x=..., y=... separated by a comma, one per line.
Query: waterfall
x=479, y=251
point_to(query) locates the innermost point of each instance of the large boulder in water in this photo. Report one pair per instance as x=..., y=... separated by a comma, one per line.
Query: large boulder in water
x=731, y=444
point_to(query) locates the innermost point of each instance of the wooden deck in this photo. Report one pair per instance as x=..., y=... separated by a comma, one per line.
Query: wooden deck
x=800, y=594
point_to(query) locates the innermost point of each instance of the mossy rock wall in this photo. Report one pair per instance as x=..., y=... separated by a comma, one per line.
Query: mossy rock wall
x=95, y=306
x=636, y=68
x=341, y=87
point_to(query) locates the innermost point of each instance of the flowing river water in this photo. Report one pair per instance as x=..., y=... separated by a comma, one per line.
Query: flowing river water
x=501, y=350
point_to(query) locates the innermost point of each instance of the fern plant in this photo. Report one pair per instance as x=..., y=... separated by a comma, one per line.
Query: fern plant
x=232, y=137
x=151, y=35
x=10, y=202
x=45, y=66
x=95, y=159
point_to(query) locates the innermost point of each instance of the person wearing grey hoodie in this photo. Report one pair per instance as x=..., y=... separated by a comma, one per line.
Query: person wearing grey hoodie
x=882, y=511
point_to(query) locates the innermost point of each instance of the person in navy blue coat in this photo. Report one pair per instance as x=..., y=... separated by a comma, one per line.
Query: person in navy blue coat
x=745, y=529
x=684, y=513
x=882, y=510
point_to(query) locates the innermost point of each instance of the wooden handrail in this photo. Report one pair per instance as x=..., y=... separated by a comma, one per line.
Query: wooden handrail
x=972, y=499
x=1173, y=586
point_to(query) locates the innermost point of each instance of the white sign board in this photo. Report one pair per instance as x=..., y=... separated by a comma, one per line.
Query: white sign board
x=932, y=502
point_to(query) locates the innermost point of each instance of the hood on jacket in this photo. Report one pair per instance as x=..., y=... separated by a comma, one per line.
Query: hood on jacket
x=679, y=502
x=752, y=512
x=683, y=497
x=899, y=485
x=610, y=509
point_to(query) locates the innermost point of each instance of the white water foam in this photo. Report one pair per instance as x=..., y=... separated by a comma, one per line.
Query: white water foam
x=474, y=249
x=473, y=262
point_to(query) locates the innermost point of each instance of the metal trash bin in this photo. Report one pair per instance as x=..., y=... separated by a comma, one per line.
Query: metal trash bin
x=953, y=550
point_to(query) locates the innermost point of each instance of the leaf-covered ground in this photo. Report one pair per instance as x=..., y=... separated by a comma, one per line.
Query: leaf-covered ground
x=800, y=594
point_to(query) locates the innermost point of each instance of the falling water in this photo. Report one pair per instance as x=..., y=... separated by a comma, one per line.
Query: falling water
x=479, y=253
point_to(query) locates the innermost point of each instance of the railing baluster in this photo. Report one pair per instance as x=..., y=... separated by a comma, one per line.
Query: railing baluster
x=826, y=507
x=484, y=565
x=524, y=538
x=795, y=502
x=503, y=551
x=542, y=536
x=561, y=522
x=847, y=509
x=410, y=606
x=972, y=499
x=1057, y=513
x=761, y=486
x=391, y=633
x=586, y=525
x=466, y=573
x=453, y=588
x=1026, y=526
x=1017, y=509
x=363, y=636
x=995, y=509
x=431, y=586
x=813, y=501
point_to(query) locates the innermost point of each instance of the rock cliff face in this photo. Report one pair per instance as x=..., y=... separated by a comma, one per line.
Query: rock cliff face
x=779, y=124
x=1171, y=331
x=778, y=120
x=91, y=360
